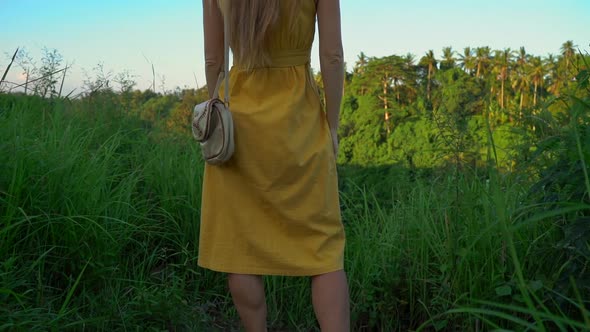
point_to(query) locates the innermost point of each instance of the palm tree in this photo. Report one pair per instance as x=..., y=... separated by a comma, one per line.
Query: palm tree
x=521, y=83
x=448, y=61
x=502, y=64
x=398, y=76
x=568, y=51
x=537, y=76
x=522, y=58
x=467, y=60
x=359, y=69
x=430, y=62
x=409, y=77
x=409, y=60
x=482, y=59
x=361, y=63
x=556, y=82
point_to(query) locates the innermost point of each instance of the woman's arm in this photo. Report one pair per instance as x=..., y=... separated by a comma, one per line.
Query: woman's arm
x=331, y=58
x=214, y=45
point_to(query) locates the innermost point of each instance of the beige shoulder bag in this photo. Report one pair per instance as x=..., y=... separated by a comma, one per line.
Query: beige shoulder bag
x=213, y=125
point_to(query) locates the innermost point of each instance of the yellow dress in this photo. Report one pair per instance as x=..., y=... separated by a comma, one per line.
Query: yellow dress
x=273, y=209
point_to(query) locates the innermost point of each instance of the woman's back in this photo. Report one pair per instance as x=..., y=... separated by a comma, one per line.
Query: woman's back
x=294, y=31
x=289, y=41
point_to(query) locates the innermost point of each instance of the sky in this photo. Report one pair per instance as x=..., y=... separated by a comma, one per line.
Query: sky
x=132, y=34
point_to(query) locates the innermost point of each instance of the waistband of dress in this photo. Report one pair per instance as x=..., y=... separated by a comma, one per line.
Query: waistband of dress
x=285, y=58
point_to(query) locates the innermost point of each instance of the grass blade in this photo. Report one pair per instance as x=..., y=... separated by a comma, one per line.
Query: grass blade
x=72, y=289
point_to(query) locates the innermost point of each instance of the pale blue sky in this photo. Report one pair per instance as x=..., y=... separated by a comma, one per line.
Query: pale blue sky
x=122, y=34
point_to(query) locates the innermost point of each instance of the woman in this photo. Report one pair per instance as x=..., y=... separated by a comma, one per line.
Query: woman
x=273, y=209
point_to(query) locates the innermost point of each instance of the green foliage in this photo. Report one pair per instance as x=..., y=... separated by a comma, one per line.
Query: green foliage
x=510, y=89
x=100, y=226
x=463, y=210
x=95, y=215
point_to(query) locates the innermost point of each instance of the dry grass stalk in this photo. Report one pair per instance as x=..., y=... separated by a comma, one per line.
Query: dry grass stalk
x=9, y=65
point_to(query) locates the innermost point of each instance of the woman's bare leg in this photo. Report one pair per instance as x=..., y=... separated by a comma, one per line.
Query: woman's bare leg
x=248, y=296
x=331, y=302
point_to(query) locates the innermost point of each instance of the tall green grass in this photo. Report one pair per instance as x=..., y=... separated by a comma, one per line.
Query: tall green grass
x=99, y=231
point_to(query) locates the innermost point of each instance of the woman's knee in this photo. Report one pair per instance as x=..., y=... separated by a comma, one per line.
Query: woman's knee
x=249, y=288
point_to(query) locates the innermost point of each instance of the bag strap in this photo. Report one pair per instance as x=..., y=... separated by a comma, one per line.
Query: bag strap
x=224, y=74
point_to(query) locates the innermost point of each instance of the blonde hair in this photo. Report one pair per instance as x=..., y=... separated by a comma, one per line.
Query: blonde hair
x=251, y=20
